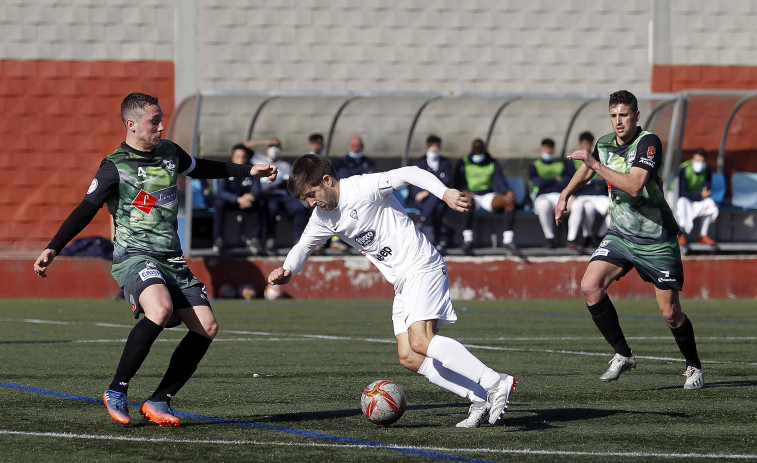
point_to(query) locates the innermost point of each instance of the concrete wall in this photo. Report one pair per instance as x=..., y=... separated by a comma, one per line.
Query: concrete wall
x=65, y=65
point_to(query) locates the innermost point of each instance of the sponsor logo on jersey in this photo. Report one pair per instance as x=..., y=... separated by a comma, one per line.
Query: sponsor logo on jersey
x=385, y=252
x=146, y=274
x=651, y=151
x=365, y=238
x=92, y=186
x=145, y=201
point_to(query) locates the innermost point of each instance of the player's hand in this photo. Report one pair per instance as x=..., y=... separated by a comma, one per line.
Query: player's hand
x=560, y=208
x=44, y=259
x=584, y=156
x=706, y=192
x=279, y=276
x=265, y=170
x=457, y=200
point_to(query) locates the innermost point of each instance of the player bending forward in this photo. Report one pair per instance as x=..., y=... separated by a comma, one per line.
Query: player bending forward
x=362, y=211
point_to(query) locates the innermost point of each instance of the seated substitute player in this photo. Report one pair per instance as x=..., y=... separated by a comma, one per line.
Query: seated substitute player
x=138, y=183
x=694, y=198
x=643, y=235
x=433, y=209
x=363, y=212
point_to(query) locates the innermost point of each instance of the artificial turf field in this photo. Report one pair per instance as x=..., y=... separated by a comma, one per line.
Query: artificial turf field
x=283, y=379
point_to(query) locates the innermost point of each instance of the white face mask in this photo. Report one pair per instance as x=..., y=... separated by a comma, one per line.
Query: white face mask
x=477, y=158
x=432, y=154
x=547, y=156
x=273, y=153
x=698, y=166
x=355, y=155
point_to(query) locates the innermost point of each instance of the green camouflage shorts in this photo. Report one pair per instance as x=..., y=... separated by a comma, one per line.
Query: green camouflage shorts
x=659, y=264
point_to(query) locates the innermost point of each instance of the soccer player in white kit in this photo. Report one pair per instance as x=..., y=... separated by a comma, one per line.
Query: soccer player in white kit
x=363, y=212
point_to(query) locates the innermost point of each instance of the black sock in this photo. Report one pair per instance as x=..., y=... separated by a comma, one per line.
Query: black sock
x=183, y=364
x=135, y=351
x=509, y=219
x=684, y=336
x=606, y=318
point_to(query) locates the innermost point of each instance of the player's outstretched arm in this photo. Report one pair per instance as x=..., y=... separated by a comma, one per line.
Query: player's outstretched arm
x=265, y=170
x=280, y=276
x=43, y=261
x=456, y=200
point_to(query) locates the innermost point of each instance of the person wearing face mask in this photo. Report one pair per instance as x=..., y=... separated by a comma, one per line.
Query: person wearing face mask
x=694, y=198
x=433, y=209
x=481, y=178
x=586, y=203
x=355, y=162
x=276, y=199
x=548, y=178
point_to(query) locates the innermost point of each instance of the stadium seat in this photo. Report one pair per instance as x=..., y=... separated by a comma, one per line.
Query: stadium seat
x=744, y=190
x=518, y=186
x=718, y=188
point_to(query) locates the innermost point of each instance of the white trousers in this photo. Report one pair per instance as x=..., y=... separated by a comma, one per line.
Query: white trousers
x=583, y=211
x=687, y=211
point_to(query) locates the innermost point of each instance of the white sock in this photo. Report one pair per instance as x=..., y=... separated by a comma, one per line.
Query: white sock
x=467, y=235
x=454, y=356
x=507, y=236
x=435, y=372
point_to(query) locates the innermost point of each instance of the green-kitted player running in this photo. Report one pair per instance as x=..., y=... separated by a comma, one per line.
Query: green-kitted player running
x=643, y=234
x=138, y=183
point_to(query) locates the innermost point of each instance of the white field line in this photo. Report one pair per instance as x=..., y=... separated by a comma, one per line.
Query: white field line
x=294, y=336
x=733, y=456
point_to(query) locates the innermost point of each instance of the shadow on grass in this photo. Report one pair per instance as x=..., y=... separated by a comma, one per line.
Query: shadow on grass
x=552, y=418
x=714, y=385
x=326, y=414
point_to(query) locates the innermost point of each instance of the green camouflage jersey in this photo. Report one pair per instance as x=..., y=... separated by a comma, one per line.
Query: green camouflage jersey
x=647, y=218
x=144, y=211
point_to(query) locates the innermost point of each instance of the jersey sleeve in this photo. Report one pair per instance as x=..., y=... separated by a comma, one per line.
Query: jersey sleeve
x=648, y=153
x=314, y=234
x=423, y=179
x=103, y=185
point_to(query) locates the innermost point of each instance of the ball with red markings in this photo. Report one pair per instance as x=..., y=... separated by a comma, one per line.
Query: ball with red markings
x=383, y=402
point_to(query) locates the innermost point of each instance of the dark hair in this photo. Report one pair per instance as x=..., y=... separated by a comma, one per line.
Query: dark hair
x=478, y=145
x=624, y=97
x=586, y=136
x=433, y=140
x=241, y=146
x=548, y=142
x=133, y=104
x=308, y=171
x=315, y=137
x=701, y=152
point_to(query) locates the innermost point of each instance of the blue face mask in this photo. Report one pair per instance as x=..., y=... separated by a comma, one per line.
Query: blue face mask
x=354, y=155
x=478, y=158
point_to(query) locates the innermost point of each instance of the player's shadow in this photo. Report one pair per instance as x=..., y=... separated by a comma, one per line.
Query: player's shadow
x=540, y=420
x=709, y=385
x=324, y=415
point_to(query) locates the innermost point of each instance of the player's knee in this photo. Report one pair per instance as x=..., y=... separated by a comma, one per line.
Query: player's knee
x=211, y=329
x=159, y=313
x=592, y=290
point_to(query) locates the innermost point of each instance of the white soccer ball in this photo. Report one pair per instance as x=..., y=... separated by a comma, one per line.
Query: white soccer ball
x=383, y=402
x=273, y=292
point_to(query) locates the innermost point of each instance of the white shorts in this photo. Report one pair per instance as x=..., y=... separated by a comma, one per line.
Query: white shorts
x=423, y=296
x=484, y=201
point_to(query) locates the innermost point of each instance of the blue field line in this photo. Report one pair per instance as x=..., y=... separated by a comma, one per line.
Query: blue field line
x=296, y=432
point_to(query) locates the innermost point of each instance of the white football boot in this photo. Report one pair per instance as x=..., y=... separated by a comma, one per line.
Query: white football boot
x=476, y=416
x=618, y=364
x=499, y=397
x=694, y=378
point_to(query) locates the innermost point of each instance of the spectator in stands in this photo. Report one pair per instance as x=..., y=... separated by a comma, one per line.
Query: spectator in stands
x=238, y=194
x=481, y=178
x=433, y=209
x=548, y=178
x=276, y=199
x=355, y=162
x=588, y=202
x=315, y=142
x=694, y=201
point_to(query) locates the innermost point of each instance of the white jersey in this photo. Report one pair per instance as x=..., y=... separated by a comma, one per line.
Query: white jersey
x=370, y=219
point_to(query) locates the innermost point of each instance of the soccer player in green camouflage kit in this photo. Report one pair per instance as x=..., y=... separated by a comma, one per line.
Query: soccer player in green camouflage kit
x=138, y=183
x=643, y=234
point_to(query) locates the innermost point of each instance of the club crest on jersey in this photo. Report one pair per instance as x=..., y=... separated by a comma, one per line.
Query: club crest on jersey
x=651, y=151
x=169, y=165
x=365, y=238
x=353, y=214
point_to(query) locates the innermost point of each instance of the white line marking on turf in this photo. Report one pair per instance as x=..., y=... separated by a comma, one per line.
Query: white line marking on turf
x=163, y=440
x=295, y=336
